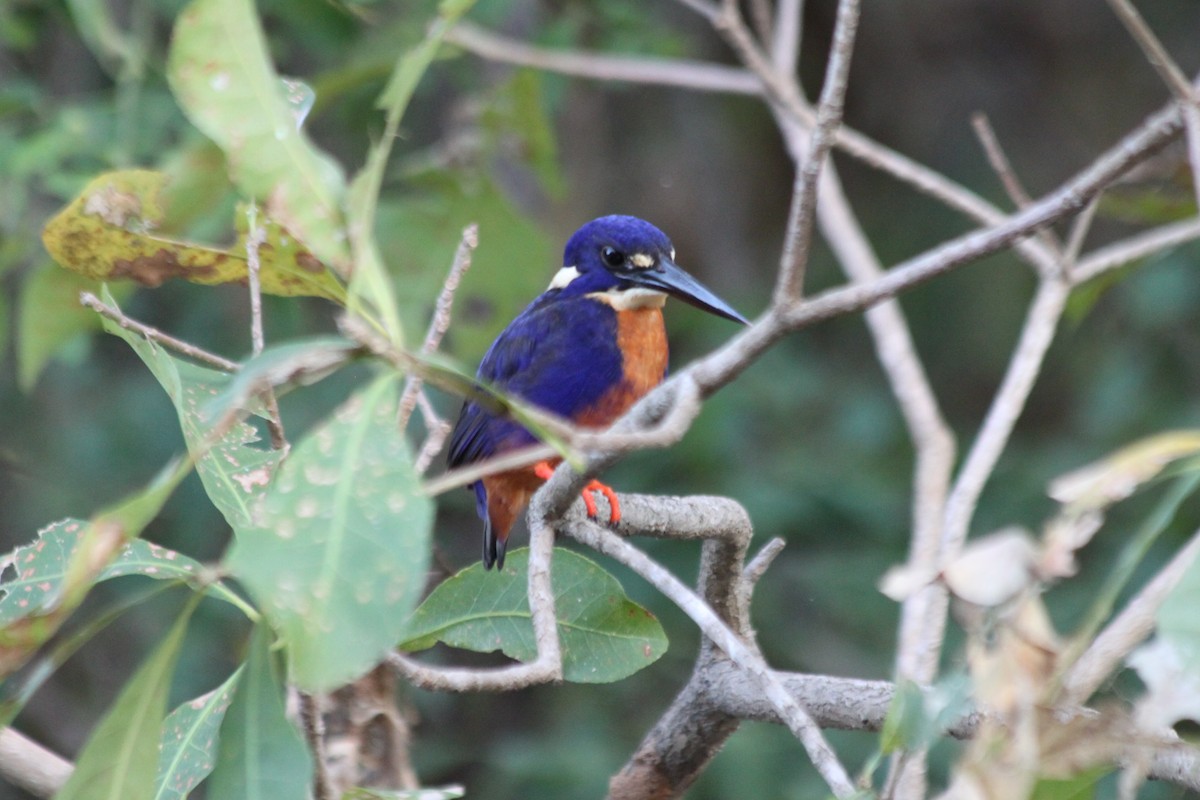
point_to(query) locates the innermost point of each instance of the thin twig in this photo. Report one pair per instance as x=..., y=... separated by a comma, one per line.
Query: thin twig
x=760, y=18
x=1011, y=183
x=787, y=35
x=749, y=659
x=1075, y=239
x=1127, y=630
x=790, y=284
x=1138, y=246
x=154, y=334
x=1172, y=76
x=440, y=321
x=255, y=237
x=1155, y=53
x=998, y=160
x=680, y=73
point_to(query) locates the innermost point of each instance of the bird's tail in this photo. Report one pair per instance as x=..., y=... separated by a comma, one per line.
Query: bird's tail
x=493, y=546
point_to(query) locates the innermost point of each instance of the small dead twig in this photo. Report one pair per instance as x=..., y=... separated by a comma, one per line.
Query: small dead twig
x=440, y=322
x=790, y=284
x=256, y=237
x=155, y=335
x=1172, y=76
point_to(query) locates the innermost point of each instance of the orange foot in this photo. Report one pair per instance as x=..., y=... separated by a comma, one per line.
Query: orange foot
x=543, y=470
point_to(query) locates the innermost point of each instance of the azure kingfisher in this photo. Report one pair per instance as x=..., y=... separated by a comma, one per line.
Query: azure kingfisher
x=586, y=349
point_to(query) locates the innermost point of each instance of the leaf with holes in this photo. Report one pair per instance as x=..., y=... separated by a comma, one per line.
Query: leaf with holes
x=111, y=231
x=222, y=76
x=120, y=759
x=605, y=636
x=260, y=755
x=338, y=554
x=188, y=749
x=41, y=569
x=55, y=574
x=233, y=472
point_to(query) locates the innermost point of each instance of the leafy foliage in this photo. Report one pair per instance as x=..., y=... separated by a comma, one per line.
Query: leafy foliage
x=77, y=555
x=604, y=635
x=121, y=757
x=223, y=77
x=340, y=543
x=261, y=755
x=188, y=749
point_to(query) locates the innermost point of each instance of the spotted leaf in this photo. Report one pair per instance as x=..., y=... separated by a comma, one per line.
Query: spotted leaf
x=111, y=232
x=188, y=750
x=340, y=545
x=233, y=471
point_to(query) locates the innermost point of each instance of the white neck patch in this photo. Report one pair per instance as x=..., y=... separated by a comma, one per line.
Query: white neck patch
x=631, y=299
x=563, y=278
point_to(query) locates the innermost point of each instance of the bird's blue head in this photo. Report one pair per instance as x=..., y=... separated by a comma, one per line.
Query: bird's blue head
x=629, y=263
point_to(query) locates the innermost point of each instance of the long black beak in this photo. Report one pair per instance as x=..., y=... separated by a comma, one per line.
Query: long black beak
x=667, y=276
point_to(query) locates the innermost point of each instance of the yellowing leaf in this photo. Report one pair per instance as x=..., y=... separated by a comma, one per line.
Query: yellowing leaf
x=110, y=232
x=1119, y=475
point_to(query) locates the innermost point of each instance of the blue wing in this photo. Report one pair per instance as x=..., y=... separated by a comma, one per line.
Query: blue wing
x=559, y=354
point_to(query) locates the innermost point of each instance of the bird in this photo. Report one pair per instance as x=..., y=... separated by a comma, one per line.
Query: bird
x=586, y=349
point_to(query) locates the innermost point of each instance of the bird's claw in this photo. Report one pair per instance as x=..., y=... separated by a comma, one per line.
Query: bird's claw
x=589, y=502
x=543, y=470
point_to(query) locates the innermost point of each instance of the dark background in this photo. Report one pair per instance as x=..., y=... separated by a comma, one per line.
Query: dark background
x=809, y=439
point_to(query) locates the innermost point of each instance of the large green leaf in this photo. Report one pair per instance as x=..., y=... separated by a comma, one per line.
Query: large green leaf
x=234, y=473
x=120, y=760
x=261, y=756
x=338, y=554
x=188, y=749
x=220, y=72
x=605, y=636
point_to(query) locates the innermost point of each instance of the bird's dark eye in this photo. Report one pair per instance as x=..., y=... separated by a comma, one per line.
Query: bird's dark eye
x=612, y=256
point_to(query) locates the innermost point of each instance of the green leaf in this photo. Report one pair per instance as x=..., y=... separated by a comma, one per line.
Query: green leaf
x=283, y=366
x=111, y=231
x=412, y=65
x=341, y=545
x=188, y=749
x=605, y=636
x=1076, y=787
x=49, y=318
x=261, y=756
x=220, y=72
x=371, y=288
x=906, y=720
x=18, y=690
x=35, y=612
x=120, y=760
x=234, y=473
x=42, y=567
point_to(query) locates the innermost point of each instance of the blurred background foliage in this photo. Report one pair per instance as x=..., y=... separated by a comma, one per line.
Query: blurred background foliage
x=808, y=440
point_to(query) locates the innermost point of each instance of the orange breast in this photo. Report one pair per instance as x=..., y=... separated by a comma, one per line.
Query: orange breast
x=642, y=339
